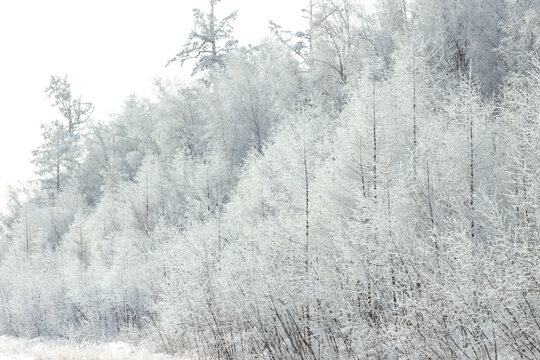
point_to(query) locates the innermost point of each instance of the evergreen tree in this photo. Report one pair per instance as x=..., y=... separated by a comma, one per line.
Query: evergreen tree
x=205, y=43
x=58, y=157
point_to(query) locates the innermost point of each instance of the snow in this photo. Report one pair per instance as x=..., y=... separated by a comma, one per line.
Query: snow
x=15, y=357
x=39, y=349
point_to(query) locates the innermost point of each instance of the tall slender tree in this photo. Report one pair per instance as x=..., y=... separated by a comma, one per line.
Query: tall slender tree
x=58, y=156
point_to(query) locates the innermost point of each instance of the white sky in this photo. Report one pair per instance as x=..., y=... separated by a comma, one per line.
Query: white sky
x=107, y=48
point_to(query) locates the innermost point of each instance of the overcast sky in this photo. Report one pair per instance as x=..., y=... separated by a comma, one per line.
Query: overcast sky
x=107, y=48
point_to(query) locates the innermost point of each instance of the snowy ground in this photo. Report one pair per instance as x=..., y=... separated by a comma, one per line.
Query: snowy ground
x=23, y=349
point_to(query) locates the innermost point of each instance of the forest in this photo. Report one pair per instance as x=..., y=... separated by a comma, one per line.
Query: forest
x=366, y=186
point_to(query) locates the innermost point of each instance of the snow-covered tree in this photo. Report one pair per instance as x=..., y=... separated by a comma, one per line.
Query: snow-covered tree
x=210, y=39
x=58, y=158
x=366, y=188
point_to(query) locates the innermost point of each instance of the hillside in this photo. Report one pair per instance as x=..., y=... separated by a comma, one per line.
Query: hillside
x=365, y=188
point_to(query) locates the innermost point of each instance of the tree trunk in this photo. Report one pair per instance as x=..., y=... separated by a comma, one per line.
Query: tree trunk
x=471, y=169
x=374, y=145
x=306, y=309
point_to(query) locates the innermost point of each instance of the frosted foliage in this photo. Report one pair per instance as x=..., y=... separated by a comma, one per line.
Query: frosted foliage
x=364, y=187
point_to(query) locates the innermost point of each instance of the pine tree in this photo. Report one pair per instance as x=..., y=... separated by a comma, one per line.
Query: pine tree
x=57, y=158
x=205, y=40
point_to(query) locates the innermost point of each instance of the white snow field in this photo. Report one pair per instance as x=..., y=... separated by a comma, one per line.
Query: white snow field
x=36, y=349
